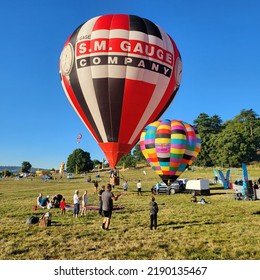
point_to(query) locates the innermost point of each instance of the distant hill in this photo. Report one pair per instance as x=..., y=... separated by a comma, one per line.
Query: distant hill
x=16, y=169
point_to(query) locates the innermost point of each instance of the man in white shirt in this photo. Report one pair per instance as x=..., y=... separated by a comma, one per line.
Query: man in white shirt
x=139, y=187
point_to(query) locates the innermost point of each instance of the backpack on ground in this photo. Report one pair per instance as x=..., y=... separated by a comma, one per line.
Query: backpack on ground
x=32, y=220
x=45, y=220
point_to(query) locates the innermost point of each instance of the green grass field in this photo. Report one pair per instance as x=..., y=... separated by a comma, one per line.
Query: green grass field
x=224, y=229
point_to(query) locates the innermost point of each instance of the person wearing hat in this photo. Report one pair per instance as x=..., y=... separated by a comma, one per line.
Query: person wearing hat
x=45, y=201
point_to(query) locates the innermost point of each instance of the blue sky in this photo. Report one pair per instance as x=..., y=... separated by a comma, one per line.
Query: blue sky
x=218, y=40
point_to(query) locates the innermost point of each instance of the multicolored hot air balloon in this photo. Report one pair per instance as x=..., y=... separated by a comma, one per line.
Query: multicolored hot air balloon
x=119, y=72
x=170, y=147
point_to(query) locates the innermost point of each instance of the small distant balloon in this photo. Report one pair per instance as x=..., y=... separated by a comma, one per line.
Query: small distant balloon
x=170, y=147
x=79, y=138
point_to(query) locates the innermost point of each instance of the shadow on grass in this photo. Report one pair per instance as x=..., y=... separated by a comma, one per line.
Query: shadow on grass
x=256, y=213
x=219, y=193
x=177, y=225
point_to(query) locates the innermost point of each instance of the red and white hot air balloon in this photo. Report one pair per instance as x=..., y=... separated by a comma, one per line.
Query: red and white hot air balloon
x=119, y=72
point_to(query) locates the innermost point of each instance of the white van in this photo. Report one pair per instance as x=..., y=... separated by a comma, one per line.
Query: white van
x=70, y=175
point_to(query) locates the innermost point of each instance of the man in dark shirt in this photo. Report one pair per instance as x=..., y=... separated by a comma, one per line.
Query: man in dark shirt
x=107, y=205
x=153, y=213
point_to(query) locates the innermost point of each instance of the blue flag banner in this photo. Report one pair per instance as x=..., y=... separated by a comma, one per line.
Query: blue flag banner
x=228, y=178
x=222, y=177
x=245, y=178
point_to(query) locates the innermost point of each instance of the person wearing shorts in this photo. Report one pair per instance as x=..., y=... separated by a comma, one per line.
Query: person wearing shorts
x=76, y=204
x=107, y=206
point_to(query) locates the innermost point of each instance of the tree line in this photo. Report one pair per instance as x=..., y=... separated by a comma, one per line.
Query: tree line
x=230, y=143
x=225, y=144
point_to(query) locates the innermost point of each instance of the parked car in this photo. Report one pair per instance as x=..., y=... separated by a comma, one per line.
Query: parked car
x=70, y=176
x=175, y=187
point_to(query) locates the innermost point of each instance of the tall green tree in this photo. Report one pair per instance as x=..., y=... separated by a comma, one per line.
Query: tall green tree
x=207, y=127
x=229, y=148
x=127, y=161
x=248, y=120
x=231, y=143
x=26, y=167
x=137, y=153
x=239, y=140
x=79, y=161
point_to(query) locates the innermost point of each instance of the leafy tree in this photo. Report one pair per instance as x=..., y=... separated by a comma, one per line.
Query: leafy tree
x=239, y=141
x=207, y=127
x=230, y=148
x=248, y=119
x=98, y=163
x=231, y=143
x=127, y=161
x=26, y=167
x=137, y=153
x=79, y=161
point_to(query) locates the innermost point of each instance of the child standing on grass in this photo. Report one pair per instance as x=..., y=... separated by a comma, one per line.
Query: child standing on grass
x=84, y=204
x=154, y=209
x=62, y=206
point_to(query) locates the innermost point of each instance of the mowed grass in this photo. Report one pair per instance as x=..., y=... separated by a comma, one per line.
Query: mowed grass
x=224, y=229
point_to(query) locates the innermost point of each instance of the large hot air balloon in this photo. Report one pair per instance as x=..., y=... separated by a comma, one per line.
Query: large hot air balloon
x=170, y=147
x=119, y=72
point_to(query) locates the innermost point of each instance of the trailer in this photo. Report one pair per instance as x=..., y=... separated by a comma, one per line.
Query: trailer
x=200, y=187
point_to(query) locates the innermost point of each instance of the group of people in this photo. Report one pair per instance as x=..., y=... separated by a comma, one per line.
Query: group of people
x=106, y=199
x=77, y=200
x=57, y=201
x=106, y=205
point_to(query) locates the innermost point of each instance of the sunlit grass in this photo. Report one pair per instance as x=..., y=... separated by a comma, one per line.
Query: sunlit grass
x=223, y=229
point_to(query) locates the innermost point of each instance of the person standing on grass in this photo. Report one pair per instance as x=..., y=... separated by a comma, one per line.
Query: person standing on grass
x=76, y=204
x=107, y=206
x=100, y=199
x=154, y=209
x=84, y=204
x=139, y=187
x=62, y=206
x=96, y=186
x=125, y=186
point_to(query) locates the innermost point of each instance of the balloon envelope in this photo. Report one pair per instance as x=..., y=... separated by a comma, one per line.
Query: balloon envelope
x=119, y=72
x=170, y=147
